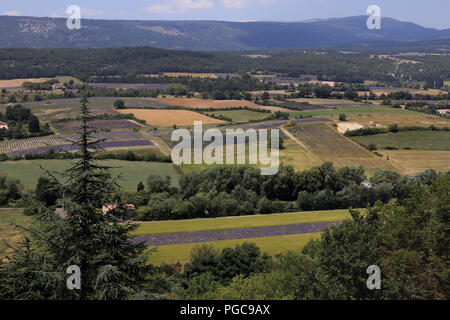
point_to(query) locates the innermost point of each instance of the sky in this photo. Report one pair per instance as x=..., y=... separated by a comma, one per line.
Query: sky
x=429, y=13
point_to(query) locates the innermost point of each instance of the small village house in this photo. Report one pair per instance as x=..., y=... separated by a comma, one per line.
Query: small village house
x=443, y=111
x=3, y=125
x=57, y=86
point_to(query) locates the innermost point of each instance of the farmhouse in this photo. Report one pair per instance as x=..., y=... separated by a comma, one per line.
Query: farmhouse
x=110, y=207
x=3, y=125
x=443, y=111
x=58, y=87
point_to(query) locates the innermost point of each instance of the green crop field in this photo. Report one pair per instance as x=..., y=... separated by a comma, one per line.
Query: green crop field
x=29, y=171
x=418, y=140
x=240, y=222
x=239, y=116
x=271, y=245
x=10, y=235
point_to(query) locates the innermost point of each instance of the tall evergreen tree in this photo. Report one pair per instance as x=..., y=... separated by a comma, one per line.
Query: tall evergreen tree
x=112, y=267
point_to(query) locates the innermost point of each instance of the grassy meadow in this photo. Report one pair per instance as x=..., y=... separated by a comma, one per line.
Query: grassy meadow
x=9, y=234
x=417, y=140
x=413, y=161
x=133, y=172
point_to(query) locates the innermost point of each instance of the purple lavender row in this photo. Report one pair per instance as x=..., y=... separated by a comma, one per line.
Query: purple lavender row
x=113, y=135
x=69, y=147
x=220, y=235
x=97, y=124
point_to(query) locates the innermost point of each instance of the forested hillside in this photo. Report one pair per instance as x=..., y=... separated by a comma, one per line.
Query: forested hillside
x=130, y=62
x=205, y=35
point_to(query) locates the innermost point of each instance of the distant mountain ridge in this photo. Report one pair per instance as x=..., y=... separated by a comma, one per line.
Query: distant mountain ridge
x=35, y=32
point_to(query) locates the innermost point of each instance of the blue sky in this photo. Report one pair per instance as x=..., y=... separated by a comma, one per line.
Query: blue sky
x=429, y=13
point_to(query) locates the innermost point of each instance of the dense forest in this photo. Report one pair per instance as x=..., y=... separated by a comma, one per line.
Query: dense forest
x=131, y=62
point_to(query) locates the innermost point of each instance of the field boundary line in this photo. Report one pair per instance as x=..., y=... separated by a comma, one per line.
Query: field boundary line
x=292, y=137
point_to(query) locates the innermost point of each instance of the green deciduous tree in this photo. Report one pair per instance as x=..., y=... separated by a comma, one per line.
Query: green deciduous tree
x=33, y=124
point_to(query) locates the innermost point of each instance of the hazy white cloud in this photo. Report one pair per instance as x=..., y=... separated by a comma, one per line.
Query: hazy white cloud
x=241, y=4
x=236, y=4
x=177, y=6
x=86, y=12
x=12, y=13
x=269, y=2
x=91, y=12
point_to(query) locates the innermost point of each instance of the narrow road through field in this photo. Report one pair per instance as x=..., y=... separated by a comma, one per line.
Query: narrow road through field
x=156, y=240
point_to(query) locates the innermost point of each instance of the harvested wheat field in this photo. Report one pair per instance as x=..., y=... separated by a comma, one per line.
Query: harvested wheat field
x=14, y=83
x=166, y=118
x=413, y=161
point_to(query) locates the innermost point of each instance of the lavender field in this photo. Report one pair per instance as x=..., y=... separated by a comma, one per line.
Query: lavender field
x=70, y=147
x=234, y=234
x=112, y=139
x=67, y=127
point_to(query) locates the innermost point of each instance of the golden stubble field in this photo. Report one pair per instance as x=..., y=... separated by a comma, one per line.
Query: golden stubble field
x=18, y=82
x=414, y=161
x=167, y=118
x=402, y=120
